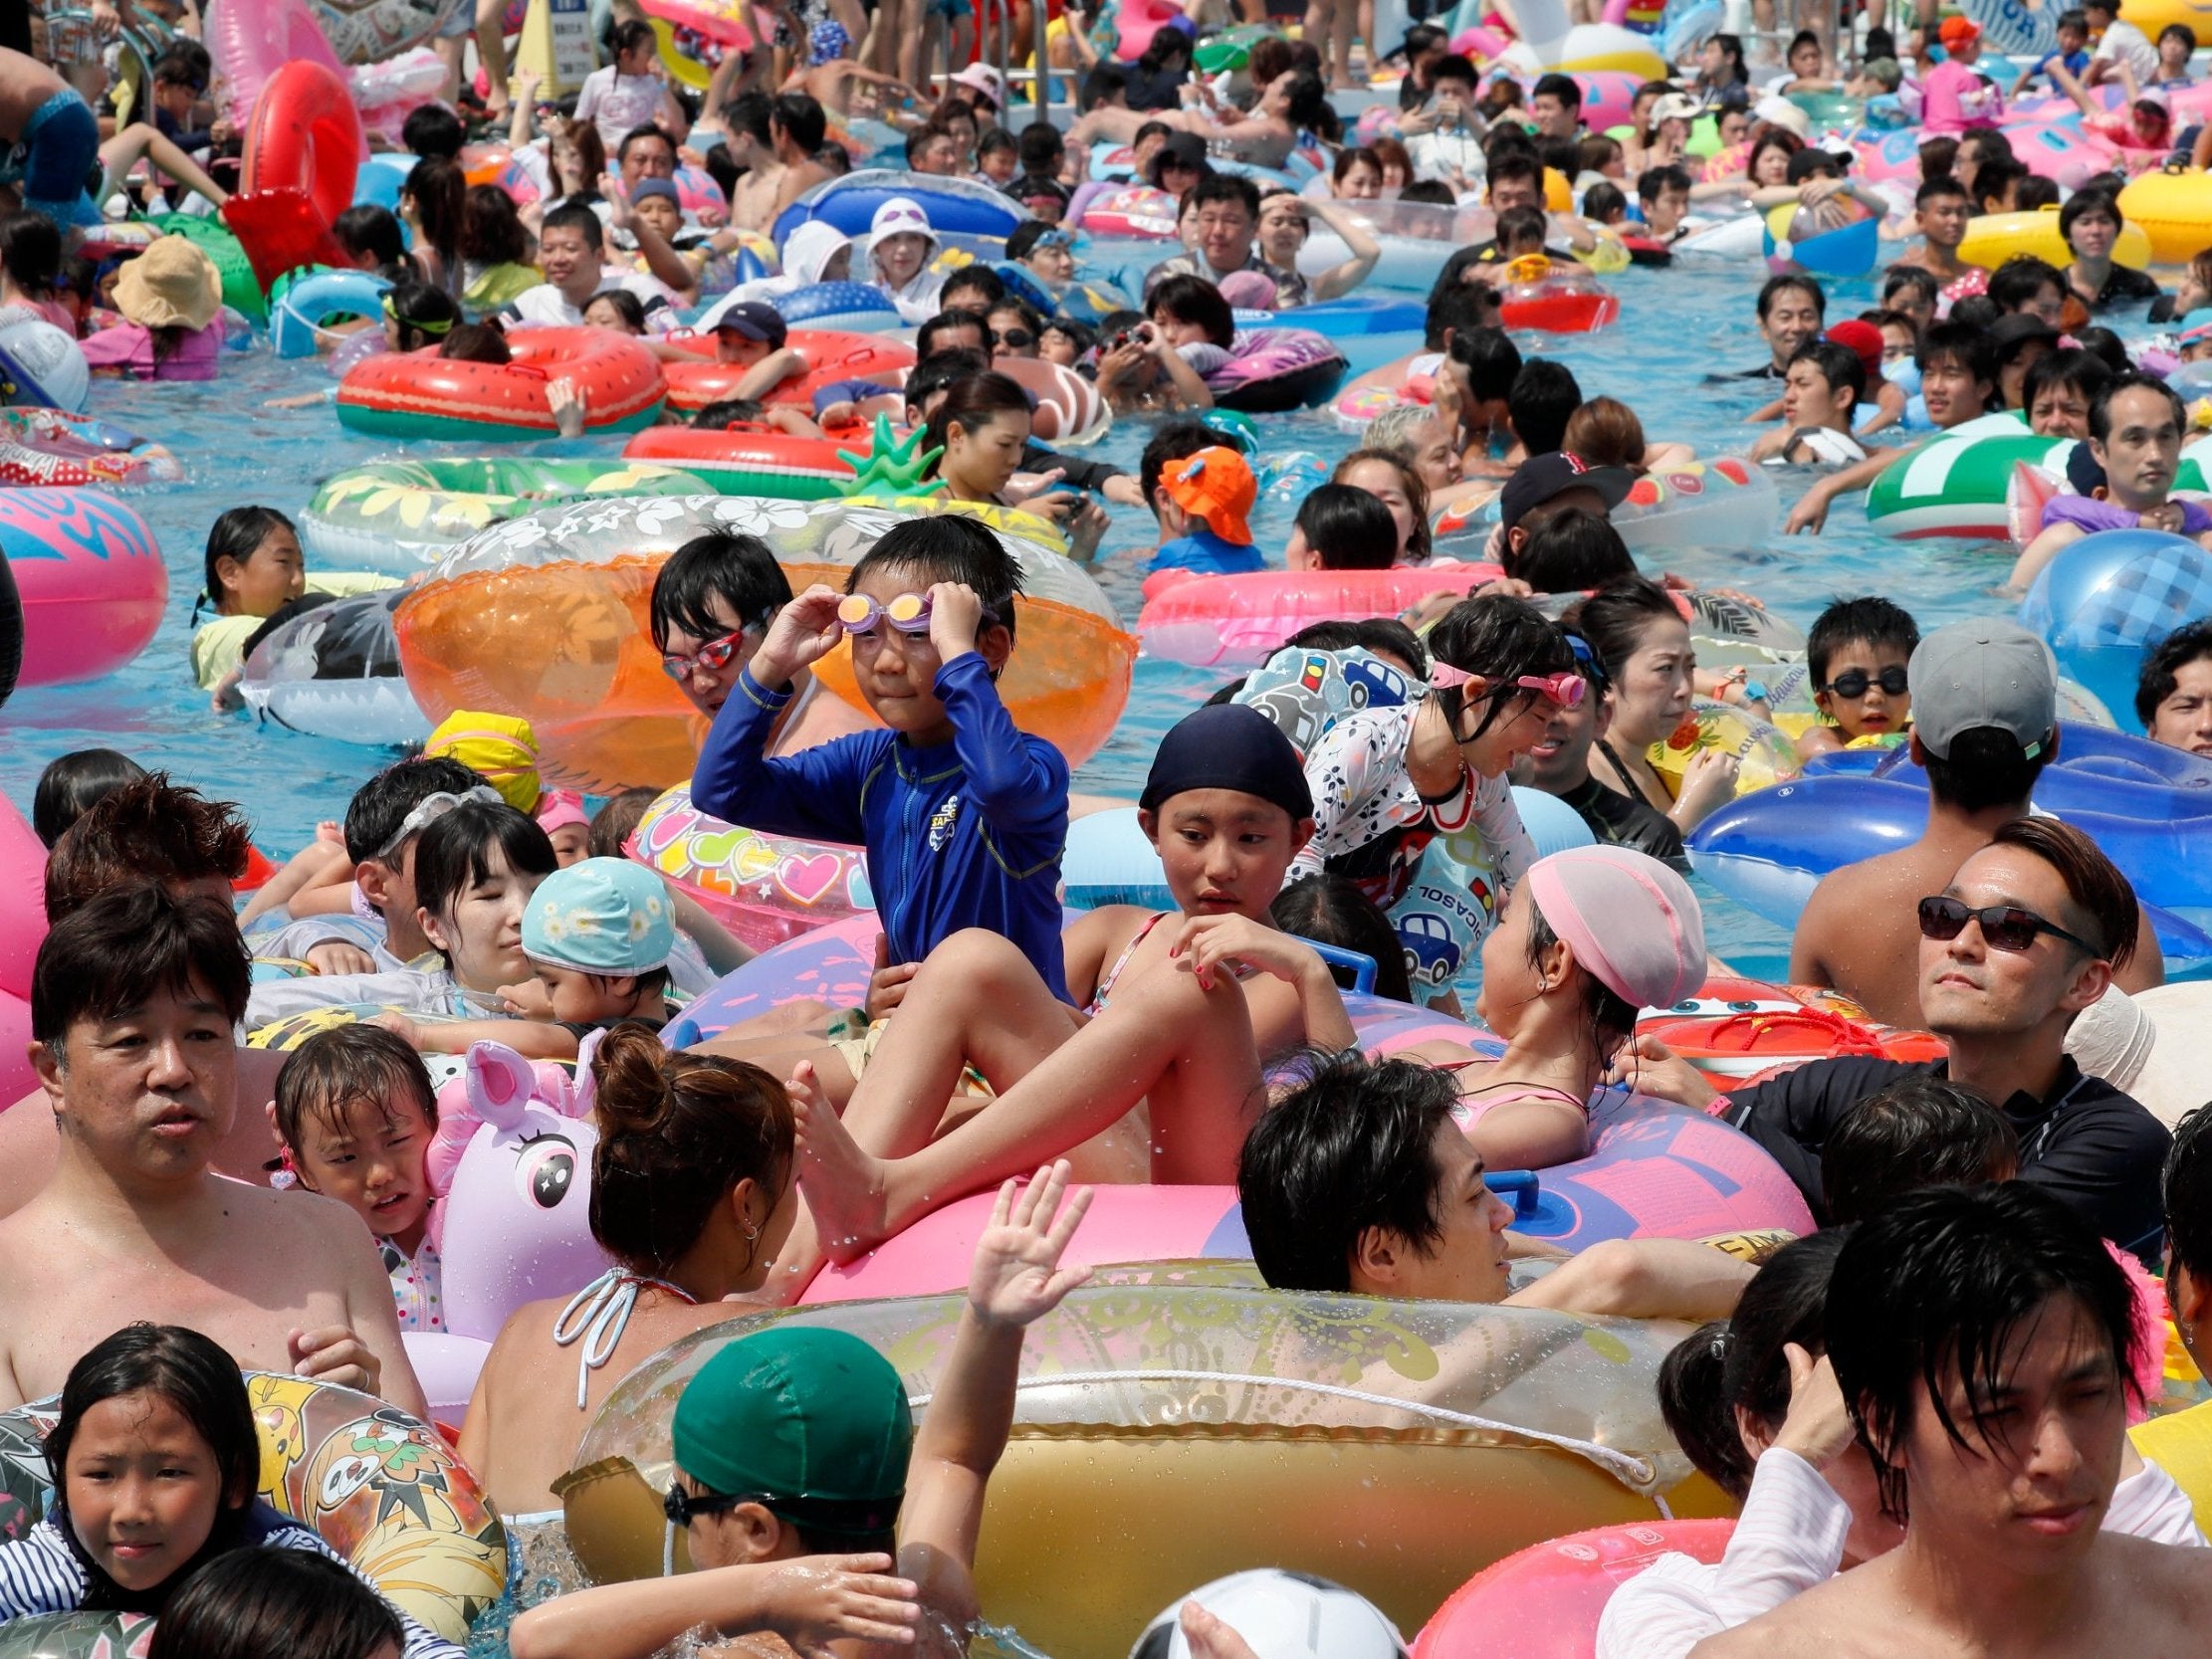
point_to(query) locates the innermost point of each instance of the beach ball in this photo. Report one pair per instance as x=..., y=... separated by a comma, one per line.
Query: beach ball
x=91, y=578
x=1277, y=1611
x=2106, y=600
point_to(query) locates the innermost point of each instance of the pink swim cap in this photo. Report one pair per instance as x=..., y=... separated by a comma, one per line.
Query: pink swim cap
x=1628, y=919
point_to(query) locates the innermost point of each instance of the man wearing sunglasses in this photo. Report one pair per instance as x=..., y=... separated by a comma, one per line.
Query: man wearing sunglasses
x=1985, y=723
x=2024, y=935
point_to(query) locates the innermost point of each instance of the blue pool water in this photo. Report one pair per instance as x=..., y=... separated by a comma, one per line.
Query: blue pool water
x=1677, y=327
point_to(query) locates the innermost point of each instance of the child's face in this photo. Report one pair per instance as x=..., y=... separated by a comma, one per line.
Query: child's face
x=1224, y=851
x=600, y=314
x=900, y=255
x=1897, y=341
x=482, y=932
x=274, y=573
x=144, y=1489
x=2196, y=351
x=1805, y=59
x=1855, y=699
x=1176, y=331
x=1807, y=397
x=663, y=216
x=897, y=671
x=1055, y=347
x=370, y=1160
x=998, y=165
x=737, y=350
x=571, y=844
x=2071, y=39
x=584, y=998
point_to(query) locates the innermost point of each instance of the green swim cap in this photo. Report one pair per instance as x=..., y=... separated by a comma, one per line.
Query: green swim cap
x=811, y=1421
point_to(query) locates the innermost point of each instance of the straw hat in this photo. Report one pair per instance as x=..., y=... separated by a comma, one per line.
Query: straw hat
x=171, y=285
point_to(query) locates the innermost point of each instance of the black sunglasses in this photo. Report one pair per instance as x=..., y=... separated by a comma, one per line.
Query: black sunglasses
x=682, y=1508
x=1853, y=682
x=1019, y=339
x=2004, y=927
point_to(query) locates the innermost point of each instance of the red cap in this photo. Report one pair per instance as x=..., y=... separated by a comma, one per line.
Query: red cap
x=1863, y=338
x=1958, y=31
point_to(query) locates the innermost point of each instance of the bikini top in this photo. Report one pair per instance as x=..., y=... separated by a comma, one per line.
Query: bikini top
x=600, y=1313
x=1097, y=1003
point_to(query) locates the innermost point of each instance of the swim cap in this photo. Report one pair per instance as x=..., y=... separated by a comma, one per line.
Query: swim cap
x=1629, y=921
x=600, y=915
x=813, y=1422
x=500, y=748
x=1226, y=745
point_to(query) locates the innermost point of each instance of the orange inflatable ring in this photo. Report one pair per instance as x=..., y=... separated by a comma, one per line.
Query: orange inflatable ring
x=419, y=395
x=831, y=355
x=1735, y=1030
x=546, y=617
x=746, y=458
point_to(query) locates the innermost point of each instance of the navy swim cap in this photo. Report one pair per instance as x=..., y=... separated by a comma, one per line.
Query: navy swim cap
x=1228, y=746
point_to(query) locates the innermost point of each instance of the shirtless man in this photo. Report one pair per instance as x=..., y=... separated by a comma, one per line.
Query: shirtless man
x=132, y=1004
x=774, y=139
x=42, y=113
x=2002, y=1467
x=1985, y=724
x=1946, y=209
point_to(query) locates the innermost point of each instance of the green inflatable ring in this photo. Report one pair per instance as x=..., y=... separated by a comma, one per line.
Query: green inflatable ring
x=77, y=1636
x=241, y=289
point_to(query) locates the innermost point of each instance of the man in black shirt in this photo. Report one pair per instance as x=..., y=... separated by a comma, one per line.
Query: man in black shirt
x=2023, y=939
x=1792, y=310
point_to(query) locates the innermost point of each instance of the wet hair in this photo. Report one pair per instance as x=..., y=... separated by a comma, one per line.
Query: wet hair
x=368, y=229
x=1492, y=362
x=1194, y=301
x=1348, y=529
x=1558, y=155
x=973, y=404
x=235, y=535
x=1605, y=432
x=2034, y=193
x=1225, y=187
x=739, y=570
x=1102, y=84
x=440, y=191
x=1899, y=278
x=247, y=1604
x=2101, y=406
x=646, y=135
x=747, y=113
x=347, y=1063
x=2019, y=279
x=2108, y=912
x=628, y=307
x=1920, y=1131
x=454, y=852
x=943, y=369
x=614, y=822
x=2189, y=1195
x=2161, y=672
x=1172, y=440
x=948, y=547
x=1976, y=310
x=491, y=231
x=1987, y=144
x=188, y=1371
x=1960, y=344
x=381, y=805
x=803, y=119
x=1544, y=398
x=677, y=1132
x=1984, y=769
x=433, y=131
x=1839, y=364
x=73, y=785
x=1350, y=1147
x=1431, y=191
x=1417, y=494
x=31, y=250
x=1878, y=621
x=1605, y=204
x=1654, y=182
x=1994, y=177
x=120, y=946
x=1503, y=639
x=1039, y=147
x=1517, y=227
x=1940, y=186
x=2082, y=204
x=477, y=343
x=183, y=63
x=2105, y=345
x=1612, y=620
x=1775, y=287
x=1937, y=1287
x=1937, y=156
x=578, y=218
x=1741, y=1363
x=979, y=280
x=1353, y=155
x=2069, y=368
x=1568, y=552
x=1459, y=312
x=143, y=830
x=425, y=314
x=949, y=321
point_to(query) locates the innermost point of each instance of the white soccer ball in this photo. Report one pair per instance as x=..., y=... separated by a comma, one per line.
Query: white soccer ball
x=1282, y=1615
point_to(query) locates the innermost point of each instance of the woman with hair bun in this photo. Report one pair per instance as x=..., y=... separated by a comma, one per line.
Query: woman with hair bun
x=689, y=1185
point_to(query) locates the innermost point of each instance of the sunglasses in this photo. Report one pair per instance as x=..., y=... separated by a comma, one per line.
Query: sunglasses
x=429, y=810
x=714, y=657
x=909, y=613
x=1019, y=339
x=1854, y=682
x=682, y=1508
x=2004, y=927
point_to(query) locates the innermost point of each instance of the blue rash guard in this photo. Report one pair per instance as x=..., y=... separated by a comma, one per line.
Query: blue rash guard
x=966, y=834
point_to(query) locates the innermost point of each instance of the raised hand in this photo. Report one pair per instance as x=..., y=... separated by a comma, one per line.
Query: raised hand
x=1017, y=1278
x=804, y=631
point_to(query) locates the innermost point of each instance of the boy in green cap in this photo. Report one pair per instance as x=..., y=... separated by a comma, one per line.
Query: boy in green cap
x=795, y=1455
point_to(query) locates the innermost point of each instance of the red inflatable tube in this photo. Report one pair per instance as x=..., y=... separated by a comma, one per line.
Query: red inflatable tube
x=760, y=459
x=281, y=231
x=304, y=134
x=1561, y=313
x=1545, y=1601
x=419, y=395
x=831, y=355
x=1208, y=621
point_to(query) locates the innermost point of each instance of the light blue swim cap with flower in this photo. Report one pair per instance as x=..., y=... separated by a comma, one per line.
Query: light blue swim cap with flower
x=600, y=915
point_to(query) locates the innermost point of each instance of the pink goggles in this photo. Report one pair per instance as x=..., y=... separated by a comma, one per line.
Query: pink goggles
x=1566, y=690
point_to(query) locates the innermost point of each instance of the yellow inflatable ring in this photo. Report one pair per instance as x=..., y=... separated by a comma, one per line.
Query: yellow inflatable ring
x=2174, y=210
x=1994, y=238
x=1766, y=755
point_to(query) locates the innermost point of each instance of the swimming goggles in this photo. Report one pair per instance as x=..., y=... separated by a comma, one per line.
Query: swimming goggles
x=1566, y=690
x=434, y=330
x=1853, y=683
x=2004, y=927
x=429, y=810
x=860, y=1517
x=908, y=612
x=714, y=657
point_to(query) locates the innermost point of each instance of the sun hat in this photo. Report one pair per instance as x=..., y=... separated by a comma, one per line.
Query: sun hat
x=500, y=748
x=1631, y=922
x=1216, y=486
x=814, y=1422
x=1780, y=111
x=981, y=77
x=1674, y=107
x=172, y=285
x=600, y=915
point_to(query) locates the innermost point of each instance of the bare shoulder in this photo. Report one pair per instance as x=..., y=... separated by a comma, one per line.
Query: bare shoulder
x=1808, y=1626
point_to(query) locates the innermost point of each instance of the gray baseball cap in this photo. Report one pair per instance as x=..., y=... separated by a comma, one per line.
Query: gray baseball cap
x=1976, y=674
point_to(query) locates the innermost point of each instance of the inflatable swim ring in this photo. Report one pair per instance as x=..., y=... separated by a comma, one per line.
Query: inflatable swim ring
x=1735, y=1029
x=90, y=577
x=22, y=927
x=1391, y=1446
x=1552, y=1594
x=363, y=31
x=300, y=308
x=1068, y=412
x=333, y=672
x=575, y=582
x=419, y=395
x=831, y=355
x=1136, y=211
x=1993, y=238
x=1723, y=502
x=1958, y=482
x=1381, y=390
x=1272, y=370
x=2106, y=600
x=46, y=447
x=2174, y=210
x=746, y=458
x=1766, y=755
x=967, y=207
x=854, y=307
x=381, y=1488
x=1796, y=240
x=764, y=889
x=399, y=515
x=1554, y=297
x=304, y=146
x=248, y=41
x=1212, y=621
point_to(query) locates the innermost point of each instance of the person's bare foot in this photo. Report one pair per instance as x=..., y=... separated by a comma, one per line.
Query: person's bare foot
x=843, y=1187
x=330, y=830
